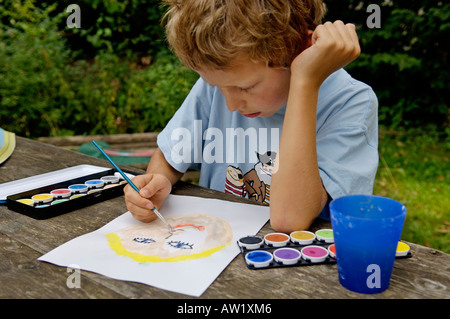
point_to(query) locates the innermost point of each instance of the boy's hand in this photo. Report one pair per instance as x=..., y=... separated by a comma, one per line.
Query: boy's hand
x=154, y=188
x=333, y=46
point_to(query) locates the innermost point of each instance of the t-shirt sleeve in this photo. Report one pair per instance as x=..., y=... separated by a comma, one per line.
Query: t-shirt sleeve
x=181, y=140
x=347, y=144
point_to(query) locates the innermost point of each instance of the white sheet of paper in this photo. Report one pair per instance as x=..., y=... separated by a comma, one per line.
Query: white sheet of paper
x=91, y=251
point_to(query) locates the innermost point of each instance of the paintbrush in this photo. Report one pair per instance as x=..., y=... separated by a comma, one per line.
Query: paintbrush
x=132, y=185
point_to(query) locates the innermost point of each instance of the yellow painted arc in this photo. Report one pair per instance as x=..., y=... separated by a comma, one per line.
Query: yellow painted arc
x=114, y=241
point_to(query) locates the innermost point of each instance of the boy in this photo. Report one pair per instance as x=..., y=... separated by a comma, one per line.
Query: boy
x=272, y=106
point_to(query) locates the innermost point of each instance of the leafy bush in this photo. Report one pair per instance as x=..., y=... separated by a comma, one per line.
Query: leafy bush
x=114, y=96
x=98, y=79
x=33, y=65
x=405, y=60
x=120, y=27
x=43, y=91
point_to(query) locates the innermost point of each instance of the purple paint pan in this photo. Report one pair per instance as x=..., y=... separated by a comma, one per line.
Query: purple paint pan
x=287, y=256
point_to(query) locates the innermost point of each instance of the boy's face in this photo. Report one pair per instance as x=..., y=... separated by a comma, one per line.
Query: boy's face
x=252, y=89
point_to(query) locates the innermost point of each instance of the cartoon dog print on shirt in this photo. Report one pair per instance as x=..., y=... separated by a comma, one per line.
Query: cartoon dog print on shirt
x=234, y=184
x=256, y=182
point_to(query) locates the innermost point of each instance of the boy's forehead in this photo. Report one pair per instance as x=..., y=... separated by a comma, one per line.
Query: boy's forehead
x=241, y=72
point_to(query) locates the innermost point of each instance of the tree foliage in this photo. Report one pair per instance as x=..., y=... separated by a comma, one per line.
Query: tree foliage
x=405, y=60
x=116, y=75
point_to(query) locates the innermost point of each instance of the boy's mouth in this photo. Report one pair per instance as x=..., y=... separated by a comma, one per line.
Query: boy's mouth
x=251, y=115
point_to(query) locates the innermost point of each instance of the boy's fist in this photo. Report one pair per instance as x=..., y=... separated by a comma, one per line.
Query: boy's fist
x=332, y=46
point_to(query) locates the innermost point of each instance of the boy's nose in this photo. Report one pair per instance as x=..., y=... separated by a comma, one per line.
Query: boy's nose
x=234, y=103
x=232, y=107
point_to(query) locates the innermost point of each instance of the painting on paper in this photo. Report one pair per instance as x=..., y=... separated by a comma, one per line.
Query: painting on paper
x=193, y=236
x=185, y=260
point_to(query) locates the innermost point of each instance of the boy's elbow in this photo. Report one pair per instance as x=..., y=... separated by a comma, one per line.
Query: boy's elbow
x=288, y=215
x=284, y=222
x=280, y=226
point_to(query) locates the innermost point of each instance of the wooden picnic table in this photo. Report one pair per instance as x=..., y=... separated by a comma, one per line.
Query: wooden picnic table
x=23, y=239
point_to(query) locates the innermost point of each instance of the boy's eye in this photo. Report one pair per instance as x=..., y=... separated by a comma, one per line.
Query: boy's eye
x=246, y=89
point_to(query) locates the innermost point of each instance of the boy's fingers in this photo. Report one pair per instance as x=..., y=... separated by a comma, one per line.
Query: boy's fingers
x=142, y=180
x=351, y=28
x=145, y=193
x=343, y=37
x=150, y=190
x=138, y=206
x=320, y=32
x=344, y=31
x=135, y=198
x=141, y=214
x=350, y=31
x=153, y=188
x=144, y=184
x=334, y=30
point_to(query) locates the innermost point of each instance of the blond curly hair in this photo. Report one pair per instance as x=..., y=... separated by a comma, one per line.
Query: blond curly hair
x=212, y=33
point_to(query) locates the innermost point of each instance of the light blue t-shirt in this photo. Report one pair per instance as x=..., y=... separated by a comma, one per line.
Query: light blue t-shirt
x=235, y=154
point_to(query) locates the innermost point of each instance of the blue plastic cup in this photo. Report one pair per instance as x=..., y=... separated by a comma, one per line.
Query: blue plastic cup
x=366, y=232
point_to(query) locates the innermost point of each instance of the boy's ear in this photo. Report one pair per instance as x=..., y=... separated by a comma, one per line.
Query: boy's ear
x=310, y=40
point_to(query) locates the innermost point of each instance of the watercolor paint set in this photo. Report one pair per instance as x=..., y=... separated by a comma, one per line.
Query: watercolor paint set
x=59, y=192
x=300, y=248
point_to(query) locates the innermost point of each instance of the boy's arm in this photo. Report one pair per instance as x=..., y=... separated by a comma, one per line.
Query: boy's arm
x=294, y=204
x=159, y=165
x=154, y=187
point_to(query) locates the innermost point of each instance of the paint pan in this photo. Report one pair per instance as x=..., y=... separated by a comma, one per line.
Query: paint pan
x=59, y=201
x=302, y=237
x=77, y=196
x=251, y=242
x=259, y=258
x=293, y=254
x=111, y=179
x=92, y=191
x=276, y=239
x=314, y=254
x=402, y=249
x=78, y=188
x=57, y=177
x=111, y=186
x=94, y=183
x=332, y=250
x=61, y=188
x=26, y=201
x=287, y=256
x=325, y=235
x=42, y=198
x=61, y=193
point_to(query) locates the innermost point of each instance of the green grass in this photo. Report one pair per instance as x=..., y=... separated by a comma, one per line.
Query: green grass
x=414, y=169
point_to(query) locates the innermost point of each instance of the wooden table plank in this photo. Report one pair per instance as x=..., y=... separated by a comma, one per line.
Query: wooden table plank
x=23, y=276
x=23, y=240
